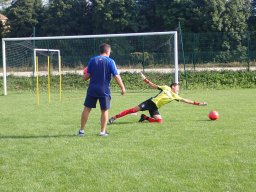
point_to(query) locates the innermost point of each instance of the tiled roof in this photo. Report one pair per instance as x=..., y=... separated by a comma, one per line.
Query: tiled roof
x=2, y=17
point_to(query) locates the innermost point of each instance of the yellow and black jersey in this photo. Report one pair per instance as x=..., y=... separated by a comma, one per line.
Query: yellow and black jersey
x=165, y=96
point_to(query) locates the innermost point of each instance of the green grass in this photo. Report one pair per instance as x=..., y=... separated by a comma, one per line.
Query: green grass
x=40, y=152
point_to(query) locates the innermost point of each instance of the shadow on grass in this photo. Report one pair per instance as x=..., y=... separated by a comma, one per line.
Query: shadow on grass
x=122, y=123
x=203, y=120
x=192, y=120
x=33, y=136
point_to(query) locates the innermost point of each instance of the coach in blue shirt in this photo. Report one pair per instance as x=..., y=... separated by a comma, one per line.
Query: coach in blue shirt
x=99, y=71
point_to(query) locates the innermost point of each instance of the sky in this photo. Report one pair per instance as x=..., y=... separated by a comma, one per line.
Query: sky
x=44, y=2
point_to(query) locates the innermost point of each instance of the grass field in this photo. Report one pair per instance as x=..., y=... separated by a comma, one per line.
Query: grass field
x=39, y=150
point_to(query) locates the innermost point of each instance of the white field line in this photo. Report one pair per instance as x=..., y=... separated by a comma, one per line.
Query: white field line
x=160, y=70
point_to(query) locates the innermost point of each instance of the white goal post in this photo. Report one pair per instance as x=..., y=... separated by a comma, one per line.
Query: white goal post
x=173, y=52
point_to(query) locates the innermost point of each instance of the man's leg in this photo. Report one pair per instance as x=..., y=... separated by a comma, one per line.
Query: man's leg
x=104, y=120
x=104, y=105
x=89, y=103
x=84, y=118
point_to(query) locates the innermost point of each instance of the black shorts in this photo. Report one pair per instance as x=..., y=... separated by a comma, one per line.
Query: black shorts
x=149, y=106
x=91, y=101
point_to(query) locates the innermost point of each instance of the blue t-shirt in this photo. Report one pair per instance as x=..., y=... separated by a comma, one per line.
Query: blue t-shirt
x=100, y=68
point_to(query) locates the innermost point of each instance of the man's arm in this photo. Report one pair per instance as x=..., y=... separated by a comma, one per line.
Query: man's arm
x=120, y=83
x=151, y=84
x=193, y=102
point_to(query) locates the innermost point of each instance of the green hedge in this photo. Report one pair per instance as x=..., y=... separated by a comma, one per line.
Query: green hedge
x=132, y=81
x=222, y=79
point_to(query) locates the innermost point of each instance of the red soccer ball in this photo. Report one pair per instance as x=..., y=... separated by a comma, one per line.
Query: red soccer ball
x=85, y=70
x=213, y=115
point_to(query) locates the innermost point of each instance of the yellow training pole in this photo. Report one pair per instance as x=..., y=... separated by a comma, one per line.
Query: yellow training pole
x=49, y=79
x=37, y=82
x=60, y=78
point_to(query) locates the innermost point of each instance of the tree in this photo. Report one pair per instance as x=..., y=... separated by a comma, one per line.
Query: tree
x=148, y=20
x=252, y=25
x=201, y=16
x=22, y=16
x=252, y=18
x=2, y=30
x=187, y=12
x=69, y=17
x=113, y=16
x=66, y=17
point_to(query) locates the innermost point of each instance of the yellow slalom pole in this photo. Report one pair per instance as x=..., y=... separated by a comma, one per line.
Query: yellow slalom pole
x=37, y=82
x=60, y=79
x=49, y=79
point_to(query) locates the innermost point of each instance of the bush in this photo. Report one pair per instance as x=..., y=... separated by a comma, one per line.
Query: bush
x=132, y=81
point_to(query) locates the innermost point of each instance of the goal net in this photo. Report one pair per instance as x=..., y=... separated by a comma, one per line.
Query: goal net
x=133, y=52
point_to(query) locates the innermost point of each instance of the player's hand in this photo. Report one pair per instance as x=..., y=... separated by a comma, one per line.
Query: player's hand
x=202, y=104
x=142, y=76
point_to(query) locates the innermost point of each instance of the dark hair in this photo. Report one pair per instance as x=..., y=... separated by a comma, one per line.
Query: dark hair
x=104, y=48
x=173, y=85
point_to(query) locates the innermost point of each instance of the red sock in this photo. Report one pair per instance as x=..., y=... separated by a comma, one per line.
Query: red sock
x=126, y=112
x=153, y=120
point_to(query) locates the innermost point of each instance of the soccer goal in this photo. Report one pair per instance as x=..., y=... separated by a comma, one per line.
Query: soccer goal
x=133, y=52
x=47, y=53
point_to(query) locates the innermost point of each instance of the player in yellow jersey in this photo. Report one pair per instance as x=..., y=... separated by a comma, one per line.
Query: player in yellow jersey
x=166, y=95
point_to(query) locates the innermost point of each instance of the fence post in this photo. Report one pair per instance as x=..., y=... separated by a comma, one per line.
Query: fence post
x=248, y=52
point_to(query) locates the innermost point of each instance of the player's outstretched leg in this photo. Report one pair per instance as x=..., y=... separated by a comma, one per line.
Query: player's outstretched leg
x=111, y=120
x=123, y=113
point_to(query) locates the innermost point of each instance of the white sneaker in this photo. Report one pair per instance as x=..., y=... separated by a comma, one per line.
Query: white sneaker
x=81, y=133
x=103, y=134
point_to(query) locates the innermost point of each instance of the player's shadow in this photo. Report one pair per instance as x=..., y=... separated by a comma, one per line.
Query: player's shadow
x=121, y=123
x=33, y=136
